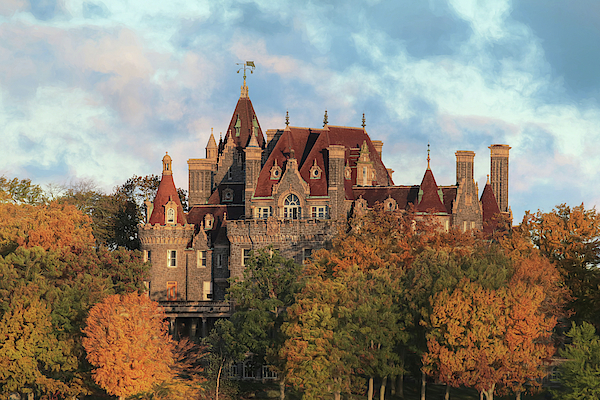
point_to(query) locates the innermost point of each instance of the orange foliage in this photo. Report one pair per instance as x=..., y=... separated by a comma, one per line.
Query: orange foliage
x=53, y=226
x=127, y=341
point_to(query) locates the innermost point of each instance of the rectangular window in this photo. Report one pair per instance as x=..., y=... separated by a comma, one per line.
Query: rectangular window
x=248, y=370
x=171, y=258
x=268, y=373
x=306, y=253
x=264, y=212
x=171, y=291
x=201, y=261
x=207, y=290
x=147, y=256
x=245, y=256
x=464, y=226
x=472, y=224
x=319, y=212
x=219, y=260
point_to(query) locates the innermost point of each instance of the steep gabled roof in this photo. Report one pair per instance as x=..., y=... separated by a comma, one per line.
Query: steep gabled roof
x=244, y=112
x=430, y=199
x=219, y=212
x=310, y=148
x=489, y=206
x=166, y=192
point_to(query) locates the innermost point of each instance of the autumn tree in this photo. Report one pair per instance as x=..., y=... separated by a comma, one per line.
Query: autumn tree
x=570, y=237
x=21, y=191
x=127, y=341
x=51, y=273
x=261, y=300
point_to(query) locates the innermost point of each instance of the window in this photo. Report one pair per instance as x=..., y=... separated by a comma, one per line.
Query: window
x=147, y=256
x=306, y=253
x=172, y=291
x=245, y=256
x=170, y=216
x=172, y=258
x=229, y=174
x=219, y=260
x=264, y=212
x=291, y=207
x=201, y=262
x=472, y=224
x=364, y=176
x=207, y=290
x=319, y=212
x=237, y=126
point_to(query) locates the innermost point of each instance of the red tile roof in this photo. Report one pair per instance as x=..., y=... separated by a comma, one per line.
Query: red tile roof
x=490, y=209
x=310, y=145
x=430, y=200
x=245, y=111
x=166, y=191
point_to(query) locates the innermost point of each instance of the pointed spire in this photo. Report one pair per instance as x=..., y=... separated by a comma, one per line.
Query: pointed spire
x=247, y=65
x=428, y=159
x=325, y=119
x=287, y=118
x=363, y=121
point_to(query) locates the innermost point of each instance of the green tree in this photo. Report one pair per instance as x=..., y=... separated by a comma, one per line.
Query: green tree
x=127, y=341
x=579, y=374
x=261, y=300
x=21, y=191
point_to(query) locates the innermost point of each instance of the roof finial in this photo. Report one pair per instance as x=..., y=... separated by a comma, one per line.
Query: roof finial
x=247, y=65
x=287, y=118
x=363, y=121
x=325, y=119
x=428, y=159
x=488, y=179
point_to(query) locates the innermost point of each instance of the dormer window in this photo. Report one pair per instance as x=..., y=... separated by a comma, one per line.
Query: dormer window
x=275, y=171
x=170, y=212
x=315, y=171
x=209, y=221
x=237, y=126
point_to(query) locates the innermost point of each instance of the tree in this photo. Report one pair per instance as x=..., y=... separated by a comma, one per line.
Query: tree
x=579, y=374
x=261, y=300
x=21, y=191
x=127, y=341
x=570, y=237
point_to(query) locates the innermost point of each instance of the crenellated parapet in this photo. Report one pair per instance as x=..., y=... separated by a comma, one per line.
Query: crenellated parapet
x=178, y=235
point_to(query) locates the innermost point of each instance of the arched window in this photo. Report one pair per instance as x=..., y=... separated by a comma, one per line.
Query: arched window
x=170, y=216
x=291, y=207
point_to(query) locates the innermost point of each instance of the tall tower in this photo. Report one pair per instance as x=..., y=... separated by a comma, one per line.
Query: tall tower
x=464, y=166
x=499, y=174
x=253, y=157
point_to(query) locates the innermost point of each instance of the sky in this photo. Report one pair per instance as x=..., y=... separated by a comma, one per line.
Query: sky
x=100, y=90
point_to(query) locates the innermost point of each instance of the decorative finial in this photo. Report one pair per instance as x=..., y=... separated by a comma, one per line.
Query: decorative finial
x=488, y=179
x=247, y=65
x=428, y=159
x=325, y=119
x=287, y=118
x=363, y=121
x=211, y=131
x=292, y=153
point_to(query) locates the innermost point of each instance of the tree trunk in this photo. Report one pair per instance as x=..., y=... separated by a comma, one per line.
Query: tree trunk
x=447, y=394
x=281, y=389
x=382, y=390
x=518, y=396
x=370, y=391
x=337, y=395
x=423, y=383
x=393, y=385
x=219, y=379
x=400, y=385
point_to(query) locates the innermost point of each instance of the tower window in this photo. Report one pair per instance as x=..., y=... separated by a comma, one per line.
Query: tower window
x=170, y=216
x=172, y=258
x=201, y=262
x=245, y=256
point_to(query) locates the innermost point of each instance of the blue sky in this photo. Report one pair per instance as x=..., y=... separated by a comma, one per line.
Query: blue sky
x=101, y=89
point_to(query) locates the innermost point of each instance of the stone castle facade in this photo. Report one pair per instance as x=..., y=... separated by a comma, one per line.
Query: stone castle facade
x=291, y=190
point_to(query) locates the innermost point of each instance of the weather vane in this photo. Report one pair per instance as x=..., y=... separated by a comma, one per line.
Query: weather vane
x=244, y=66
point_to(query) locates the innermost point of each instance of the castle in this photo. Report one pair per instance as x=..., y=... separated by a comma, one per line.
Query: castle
x=292, y=190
